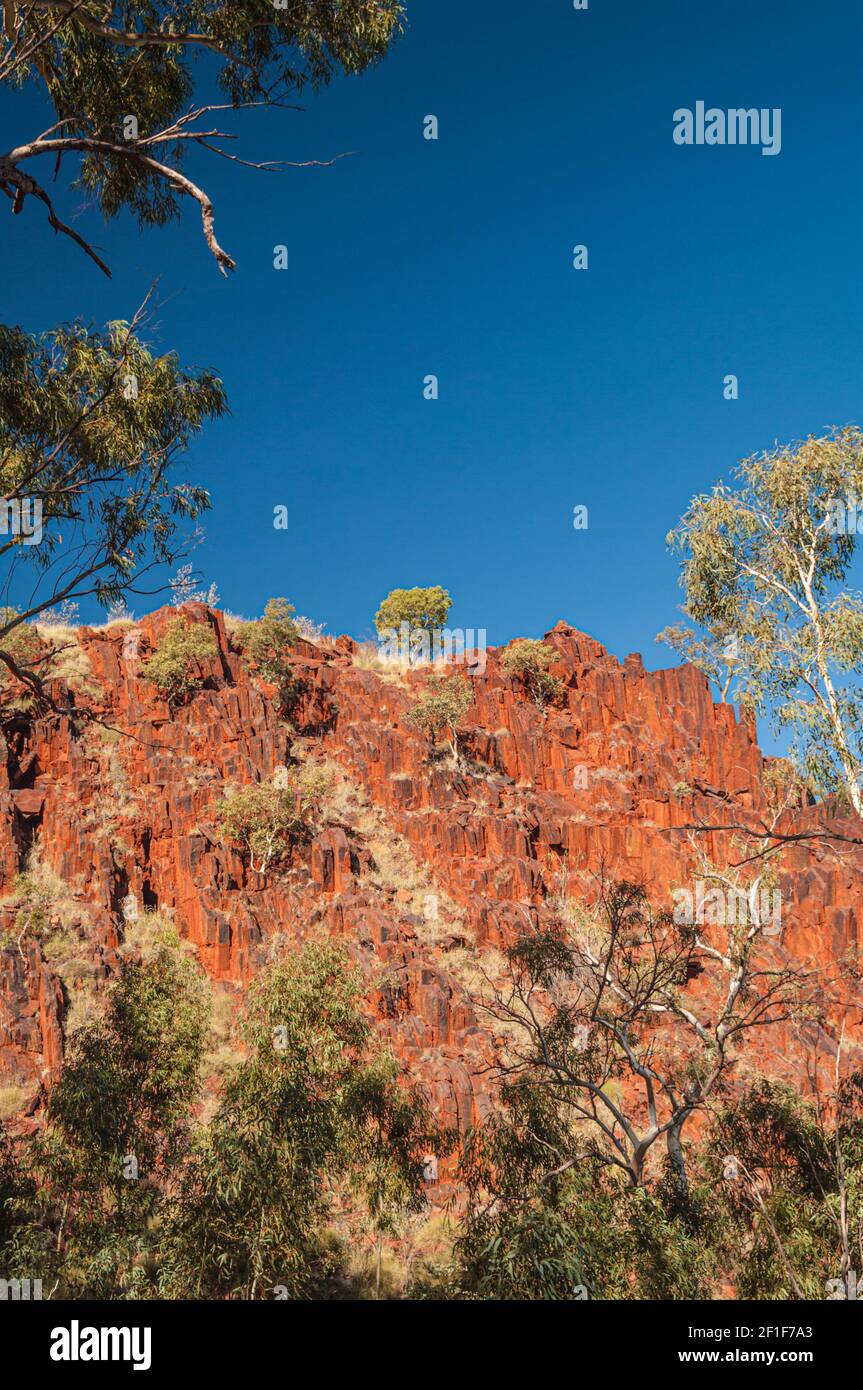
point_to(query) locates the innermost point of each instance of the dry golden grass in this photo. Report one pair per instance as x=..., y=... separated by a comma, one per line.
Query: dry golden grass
x=233, y=622
x=142, y=937
x=68, y=660
x=12, y=1099
x=367, y=657
x=42, y=895
x=224, y=1050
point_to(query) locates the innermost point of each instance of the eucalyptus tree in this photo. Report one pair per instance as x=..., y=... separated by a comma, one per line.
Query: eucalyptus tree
x=597, y=1014
x=120, y=83
x=765, y=570
x=92, y=423
x=315, y=1111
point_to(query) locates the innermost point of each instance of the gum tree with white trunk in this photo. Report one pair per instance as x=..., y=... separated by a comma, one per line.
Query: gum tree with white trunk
x=766, y=561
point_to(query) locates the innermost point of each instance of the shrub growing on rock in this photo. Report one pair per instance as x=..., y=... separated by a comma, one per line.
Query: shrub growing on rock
x=172, y=667
x=269, y=641
x=441, y=707
x=529, y=660
x=39, y=902
x=267, y=818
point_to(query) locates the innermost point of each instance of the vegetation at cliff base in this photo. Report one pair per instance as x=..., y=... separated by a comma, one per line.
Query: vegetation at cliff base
x=128, y=1193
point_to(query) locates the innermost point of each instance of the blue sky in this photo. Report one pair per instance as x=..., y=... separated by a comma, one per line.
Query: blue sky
x=557, y=387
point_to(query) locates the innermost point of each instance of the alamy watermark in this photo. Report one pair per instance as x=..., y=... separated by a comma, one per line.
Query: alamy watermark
x=22, y=516
x=845, y=516
x=738, y=126
x=416, y=646
x=846, y=1288
x=20, y=1290
x=710, y=905
x=77, y=1343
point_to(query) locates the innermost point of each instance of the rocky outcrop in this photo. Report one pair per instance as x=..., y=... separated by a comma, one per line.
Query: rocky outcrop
x=121, y=792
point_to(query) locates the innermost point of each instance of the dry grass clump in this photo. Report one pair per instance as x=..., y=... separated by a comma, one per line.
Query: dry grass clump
x=48, y=911
x=40, y=901
x=223, y=1050
x=12, y=1099
x=367, y=657
x=67, y=660
x=233, y=622
x=144, y=934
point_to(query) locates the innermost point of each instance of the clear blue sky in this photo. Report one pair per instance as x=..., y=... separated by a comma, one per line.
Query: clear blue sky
x=557, y=387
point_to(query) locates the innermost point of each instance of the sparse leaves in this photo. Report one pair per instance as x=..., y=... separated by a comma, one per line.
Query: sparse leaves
x=100, y=464
x=121, y=84
x=175, y=668
x=441, y=707
x=266, y=820
x=764, y=567
x=529, y=660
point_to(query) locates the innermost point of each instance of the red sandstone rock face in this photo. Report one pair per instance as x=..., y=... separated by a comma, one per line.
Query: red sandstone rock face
x=133, y=816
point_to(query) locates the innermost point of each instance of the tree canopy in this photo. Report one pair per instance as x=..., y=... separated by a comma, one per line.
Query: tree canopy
x=765, y=565
x=120, y=84
x=424, y=611
x=92, y=424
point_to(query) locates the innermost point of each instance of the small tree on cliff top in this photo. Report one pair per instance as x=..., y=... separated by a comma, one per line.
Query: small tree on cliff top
x=423, y=610
x=269, y=642
x=765, y=564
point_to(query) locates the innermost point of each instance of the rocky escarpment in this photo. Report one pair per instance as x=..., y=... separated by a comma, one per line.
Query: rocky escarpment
x=421, y=868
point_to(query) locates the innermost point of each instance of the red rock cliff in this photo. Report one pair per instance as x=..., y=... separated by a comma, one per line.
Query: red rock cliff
x=421, y=864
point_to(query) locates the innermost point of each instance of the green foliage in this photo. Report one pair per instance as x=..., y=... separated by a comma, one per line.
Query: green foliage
x=100, y=464
x=118, y=1123
x=313, y=1121
x=424, y=610
x=795, y=1190
x=713, y=651
x=266, y=819
x=269, y=642
x=174, y=666
x=440, y=707
x=15, y=1186
x=83, y=60
x=530, y=660
x=316, y=1104
x=541, y=1226
x=765, y=563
